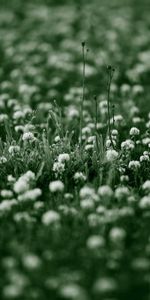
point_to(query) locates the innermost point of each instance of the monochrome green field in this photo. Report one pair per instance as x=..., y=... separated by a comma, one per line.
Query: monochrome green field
x=74, y=150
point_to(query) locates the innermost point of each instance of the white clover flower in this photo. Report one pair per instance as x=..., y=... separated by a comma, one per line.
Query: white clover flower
x=146, y=153
x=28, y=128
x=79, y=176
x=136, y=120
x=18, y=115
x=117, y=234
x=21, y=186
x=145, y=202
x=146, y=141
x=105, y=285
x=6, y=205
x=19, y=128
x=68, y=196
x=12, y=291
x=31, y=261
x=86, y=130
x=91, y=139
x=86, y=192
x=95, y=242
x=126, y=210
x=103, y=104
x=144, y=158
x=28, y=136
x=29, y=176
x=56, y=186
x=93, y=220
x=109, y=143
x=64, y=157
x=124, y=178
x=3, y=160
x=14, y=149
x=146, y=186
x=58, y=167
x=50, y=217
x=72, y=112
x=138, y=142
x=111, y=155
x=38, y=205
x=134, y=131
x=101, y=209
x=57, y=139
x=137, y=89
x=87, y=204
x=114, y=132
x=30, y=195
x=121, y=192
x=66, y=210
x=148, y=124
x=10, y=178
x=134, y=165
x=72, y=291
x=6, y=193
x=111, y=215
x=132, y=199
x=105, y=191
x=125, y=88
x=27, y=111
x=24, y=182
x=118, y=119
x=23, y=216
x=127, y=145
x=134, y=110
x=89, y=147
x=3, y=117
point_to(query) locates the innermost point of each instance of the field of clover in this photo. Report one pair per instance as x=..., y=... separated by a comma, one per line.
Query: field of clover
x=74, y=150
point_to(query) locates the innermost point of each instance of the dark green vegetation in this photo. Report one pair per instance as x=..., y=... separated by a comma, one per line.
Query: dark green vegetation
x=74, y=150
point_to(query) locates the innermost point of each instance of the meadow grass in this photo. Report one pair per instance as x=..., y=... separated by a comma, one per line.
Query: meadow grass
x=74, y=150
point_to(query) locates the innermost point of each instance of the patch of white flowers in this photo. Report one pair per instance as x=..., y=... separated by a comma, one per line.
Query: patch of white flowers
x=111, y=155
x=3, y=160
x=95, y=242
x=60, y=165
x=144, y=158
x=56, y=186
x=14, y=149
x=134, y=165
x=64, y=157
x=105, y=191
x=30, y=195
x=134, y=131
x=24, y=182
x=146, y=186
x=50, y=217
x=127, y=145
x=122, y=192
x=28, y=136
x=145, y=202
x=79, y=177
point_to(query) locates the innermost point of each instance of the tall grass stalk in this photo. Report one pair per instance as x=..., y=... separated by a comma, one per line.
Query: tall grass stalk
x=83, y=93
x=110, y=76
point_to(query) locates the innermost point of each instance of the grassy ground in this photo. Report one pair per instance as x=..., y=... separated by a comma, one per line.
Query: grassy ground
x=74, y=150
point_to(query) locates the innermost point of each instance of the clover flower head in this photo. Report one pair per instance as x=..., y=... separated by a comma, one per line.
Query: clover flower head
x=56, y=186
x=111, y=155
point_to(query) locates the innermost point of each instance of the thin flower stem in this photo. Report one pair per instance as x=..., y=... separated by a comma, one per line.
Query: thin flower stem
x=83, y=92
x=113, y=113
x=110, y=76
x=96, y=113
